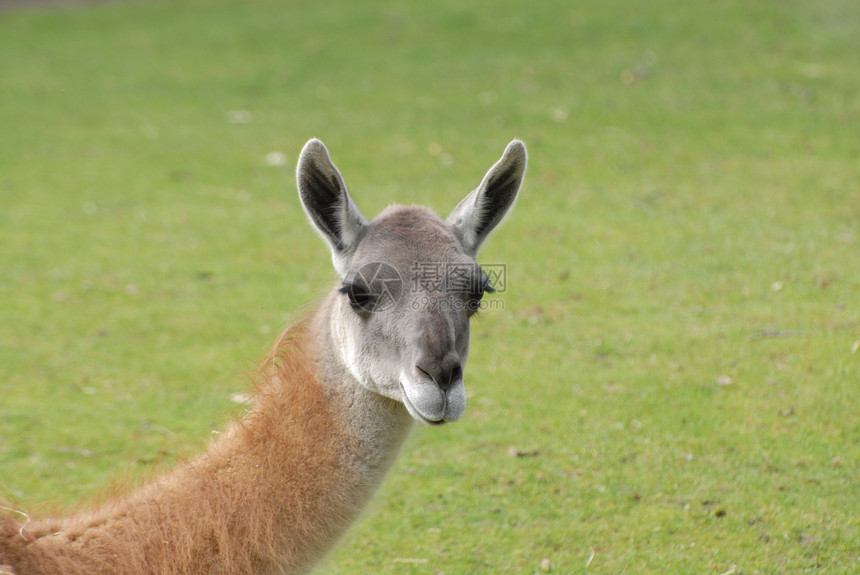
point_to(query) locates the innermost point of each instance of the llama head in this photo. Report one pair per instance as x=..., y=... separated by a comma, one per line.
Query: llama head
x=409, y=282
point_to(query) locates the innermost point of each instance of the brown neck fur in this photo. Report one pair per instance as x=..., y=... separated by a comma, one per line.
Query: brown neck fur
x=271, y=495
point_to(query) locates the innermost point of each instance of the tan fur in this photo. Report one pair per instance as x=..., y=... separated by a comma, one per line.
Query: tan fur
x=269, y=496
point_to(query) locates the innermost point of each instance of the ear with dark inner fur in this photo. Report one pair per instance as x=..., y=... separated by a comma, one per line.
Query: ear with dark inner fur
x=482, y=210
x=327, y=203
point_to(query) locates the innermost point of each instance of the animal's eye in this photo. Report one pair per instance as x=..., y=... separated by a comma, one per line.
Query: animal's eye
x=373, y=287
x=481, y=287
x=361, y=299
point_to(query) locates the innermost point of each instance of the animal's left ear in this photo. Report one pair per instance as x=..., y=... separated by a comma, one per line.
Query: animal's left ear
x=481, y=211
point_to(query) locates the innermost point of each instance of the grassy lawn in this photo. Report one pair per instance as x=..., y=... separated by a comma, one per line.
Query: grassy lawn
x=672, y=385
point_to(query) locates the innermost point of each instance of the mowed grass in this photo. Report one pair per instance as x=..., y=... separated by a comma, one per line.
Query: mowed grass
x=672, y=385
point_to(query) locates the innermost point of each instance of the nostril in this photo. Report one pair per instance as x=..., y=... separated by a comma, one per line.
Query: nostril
x=451, y=371
x=424, y=372
x=456, y=373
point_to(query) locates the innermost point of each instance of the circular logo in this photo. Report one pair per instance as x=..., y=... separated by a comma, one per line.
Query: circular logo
x=374, y=287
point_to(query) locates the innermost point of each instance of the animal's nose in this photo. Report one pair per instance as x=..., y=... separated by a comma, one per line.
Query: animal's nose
x=445, y=372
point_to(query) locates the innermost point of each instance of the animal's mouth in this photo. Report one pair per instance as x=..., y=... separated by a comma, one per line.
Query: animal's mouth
x=415, y=413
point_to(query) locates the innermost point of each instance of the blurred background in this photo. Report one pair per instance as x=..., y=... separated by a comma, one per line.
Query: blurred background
x=669, y=382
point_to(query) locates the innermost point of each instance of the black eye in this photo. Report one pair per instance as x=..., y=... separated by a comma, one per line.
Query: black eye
x=373, y=287
x=481, y=287
x=360, y=297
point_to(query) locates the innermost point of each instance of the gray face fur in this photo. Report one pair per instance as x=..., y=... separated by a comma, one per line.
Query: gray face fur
x=401, y=320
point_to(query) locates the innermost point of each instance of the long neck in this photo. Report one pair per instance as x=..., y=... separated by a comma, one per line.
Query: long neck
x=272, y=494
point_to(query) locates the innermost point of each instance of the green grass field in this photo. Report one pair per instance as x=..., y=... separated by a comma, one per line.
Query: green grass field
x=673, y=383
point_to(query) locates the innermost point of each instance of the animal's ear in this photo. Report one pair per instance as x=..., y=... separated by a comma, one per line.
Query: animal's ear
x=327, y=202
x=481, y=211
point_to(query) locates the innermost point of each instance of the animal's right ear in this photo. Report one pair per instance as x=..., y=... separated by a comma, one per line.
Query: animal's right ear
x=327, y=203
